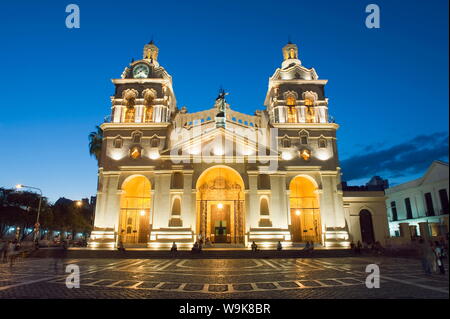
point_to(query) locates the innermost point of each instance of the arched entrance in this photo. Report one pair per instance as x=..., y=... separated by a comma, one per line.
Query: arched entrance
x=366, y=224
x=305, y=210
x=220, y=205
x=134, y=225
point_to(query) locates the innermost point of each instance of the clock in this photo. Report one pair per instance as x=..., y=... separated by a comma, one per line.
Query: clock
x=141, y=71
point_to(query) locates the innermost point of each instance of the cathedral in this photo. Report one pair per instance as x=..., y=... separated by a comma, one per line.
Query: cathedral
x=167, y=175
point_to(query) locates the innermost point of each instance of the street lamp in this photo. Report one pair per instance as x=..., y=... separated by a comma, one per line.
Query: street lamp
x=20, y=186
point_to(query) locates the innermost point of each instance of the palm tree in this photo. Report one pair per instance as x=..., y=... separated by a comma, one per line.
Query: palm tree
x=95, y=142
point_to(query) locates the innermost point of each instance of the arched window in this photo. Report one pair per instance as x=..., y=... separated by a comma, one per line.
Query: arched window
x=310, y=111
x=177, y=180
x=322, y=143
x=304, y=138
x=118, y=142
x=136, y=137
x=176, y=206
x=148, y=114
x=130, y=114
x=154, y=142
x=264, y=207
x=292, y=112
x=286, y=142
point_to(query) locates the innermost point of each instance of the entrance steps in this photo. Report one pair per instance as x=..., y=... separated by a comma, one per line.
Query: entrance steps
x=208, y=253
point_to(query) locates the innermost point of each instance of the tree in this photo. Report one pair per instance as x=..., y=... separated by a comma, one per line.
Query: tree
x=95, y=142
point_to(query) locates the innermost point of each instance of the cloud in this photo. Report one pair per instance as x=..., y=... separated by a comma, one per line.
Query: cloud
x=408, y=158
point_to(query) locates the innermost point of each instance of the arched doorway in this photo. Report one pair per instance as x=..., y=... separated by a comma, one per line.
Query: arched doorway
x=220, y=205
x=134, y=223
x=305, y=210
x=366, y=224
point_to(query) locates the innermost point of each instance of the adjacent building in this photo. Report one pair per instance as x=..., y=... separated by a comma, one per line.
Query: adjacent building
x=420, y=207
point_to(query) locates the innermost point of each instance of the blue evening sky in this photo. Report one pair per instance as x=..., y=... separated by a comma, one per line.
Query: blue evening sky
x=388, y=87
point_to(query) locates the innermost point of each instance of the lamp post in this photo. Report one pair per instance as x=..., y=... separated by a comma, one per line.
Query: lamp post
x=20, y=186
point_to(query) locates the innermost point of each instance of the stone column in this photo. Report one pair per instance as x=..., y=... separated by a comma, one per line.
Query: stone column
x=424, y=230
x=161, y=215
x=187, y=214
x=278, y=208
x=251, y=197
x=405, y=232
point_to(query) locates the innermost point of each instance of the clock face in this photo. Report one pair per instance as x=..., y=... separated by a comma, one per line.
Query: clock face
x=141, y=71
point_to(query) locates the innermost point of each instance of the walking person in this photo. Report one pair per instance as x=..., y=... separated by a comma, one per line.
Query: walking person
x=4, y=251
x=254, y=247
x=11, y=253
x=439, y=257
x=424, y=252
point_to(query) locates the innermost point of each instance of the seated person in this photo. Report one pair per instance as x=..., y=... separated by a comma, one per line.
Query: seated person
x=279, y=246
x=254, y=246
x=307, y=246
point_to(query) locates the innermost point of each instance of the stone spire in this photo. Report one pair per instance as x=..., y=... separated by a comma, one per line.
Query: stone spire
x=151, y=51
x=290, y=55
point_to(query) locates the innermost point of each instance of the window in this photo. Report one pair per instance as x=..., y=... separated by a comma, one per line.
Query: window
x=176, y=207
x=310, y=111
x=394, y=211
x=444, y=201
x=408, y=208
x=286, y=142
x=155, y=142
x=322, y=143
x=304, y=138
x=136, y=137
x=129, y=115
x=148, y=114
x=118, y=142
x=264, y=207
x=429, y=204
x=263, y=181
x=177, y=180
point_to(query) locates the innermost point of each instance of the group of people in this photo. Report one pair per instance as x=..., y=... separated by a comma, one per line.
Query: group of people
x=375, y=247
x=9, y=250
x=432, y=255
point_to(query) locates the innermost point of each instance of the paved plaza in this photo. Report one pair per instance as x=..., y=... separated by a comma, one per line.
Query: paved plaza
x=299, y=278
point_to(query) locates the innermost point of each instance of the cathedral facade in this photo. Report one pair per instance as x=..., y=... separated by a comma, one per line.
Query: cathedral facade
x=167, y=175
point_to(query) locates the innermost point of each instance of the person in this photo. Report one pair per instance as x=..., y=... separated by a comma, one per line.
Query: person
x=11, y=253
x=254, y=247
x=120, y=246
x=432, y=257
x=195, y=248
x=358, y=247
x=208, y=242
x=439, y=259
x=4, y=251
x=423, y=252
x=352, y=246
x=174, y=248
x=307, y=246
x=311, y=248
x=279, y=246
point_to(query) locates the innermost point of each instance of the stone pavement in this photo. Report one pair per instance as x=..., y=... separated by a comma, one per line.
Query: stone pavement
x=220, y=278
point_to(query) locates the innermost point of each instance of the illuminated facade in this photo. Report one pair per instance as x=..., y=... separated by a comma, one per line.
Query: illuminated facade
x=169, y=175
